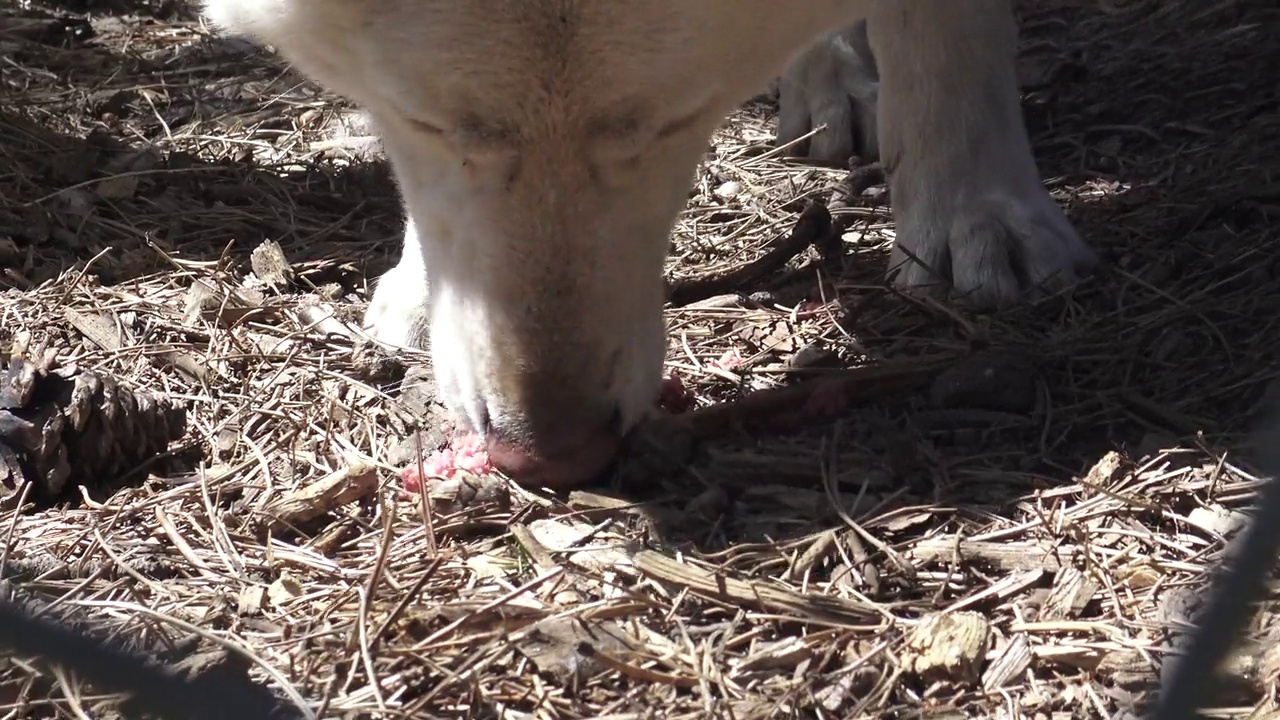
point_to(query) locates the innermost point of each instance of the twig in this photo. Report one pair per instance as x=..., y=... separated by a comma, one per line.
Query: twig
x=840, y=387
x=812, y=228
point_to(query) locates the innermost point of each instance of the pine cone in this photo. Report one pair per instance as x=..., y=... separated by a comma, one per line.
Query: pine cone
x=62, y=428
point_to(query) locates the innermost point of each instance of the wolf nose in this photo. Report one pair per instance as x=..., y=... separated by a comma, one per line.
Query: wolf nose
x=558, y=461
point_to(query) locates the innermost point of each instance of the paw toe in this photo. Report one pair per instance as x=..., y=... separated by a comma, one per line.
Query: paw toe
x=998, y=265
x=833, y=85
x=998, y=259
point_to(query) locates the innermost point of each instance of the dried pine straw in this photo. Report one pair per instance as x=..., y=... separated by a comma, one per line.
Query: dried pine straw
x=1019, y=547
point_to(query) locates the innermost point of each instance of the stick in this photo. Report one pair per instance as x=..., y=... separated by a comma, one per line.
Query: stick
x=843, y=387
x=812, y=227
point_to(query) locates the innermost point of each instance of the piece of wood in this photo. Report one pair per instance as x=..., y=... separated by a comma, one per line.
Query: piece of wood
x=354, y=482
x=271, y=266
x=1009, y=665
x=1011, y=556
x=1072, y=591
x=948, y=647
x=718, y=586
x=839, y=388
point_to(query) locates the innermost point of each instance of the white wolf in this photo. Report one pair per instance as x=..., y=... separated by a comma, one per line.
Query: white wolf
x=544, y=148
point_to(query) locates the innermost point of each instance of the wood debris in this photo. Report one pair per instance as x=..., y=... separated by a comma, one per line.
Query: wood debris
x=948, y=647
x=188, y=217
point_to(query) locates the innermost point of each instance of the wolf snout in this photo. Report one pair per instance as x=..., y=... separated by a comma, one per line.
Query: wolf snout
x=560, y=458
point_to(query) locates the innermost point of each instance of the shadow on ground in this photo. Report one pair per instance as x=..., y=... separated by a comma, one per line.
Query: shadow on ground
x=1160, y=132
x=128, y=158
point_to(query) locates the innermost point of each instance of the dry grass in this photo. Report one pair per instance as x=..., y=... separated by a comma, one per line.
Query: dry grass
x=1057, y=523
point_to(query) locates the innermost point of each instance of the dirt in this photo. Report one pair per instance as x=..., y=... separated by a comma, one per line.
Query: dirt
x=1076, y=512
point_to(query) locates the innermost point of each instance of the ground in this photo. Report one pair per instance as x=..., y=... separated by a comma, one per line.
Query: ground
x=1012, y=537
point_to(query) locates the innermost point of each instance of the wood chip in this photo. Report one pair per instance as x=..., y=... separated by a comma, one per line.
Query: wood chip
x=1008, y=667
x=216, y=304
x=271, y=266
x=349, y=484
x=755, y=594
x=1007, y=556
x=1072, y=591
x=948, y=647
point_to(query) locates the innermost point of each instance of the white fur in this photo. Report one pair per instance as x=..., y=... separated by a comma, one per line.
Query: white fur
x=544, y=147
